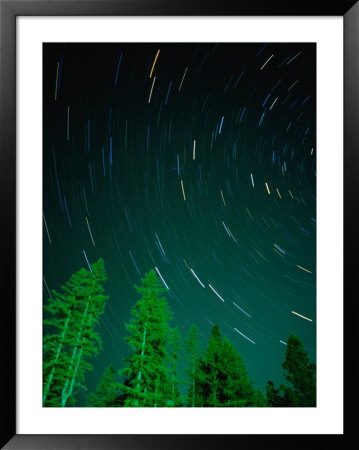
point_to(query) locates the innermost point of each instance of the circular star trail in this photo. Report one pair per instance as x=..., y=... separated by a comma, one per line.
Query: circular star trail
x=198, y=161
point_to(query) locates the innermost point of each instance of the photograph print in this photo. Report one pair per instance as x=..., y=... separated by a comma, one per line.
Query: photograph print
x=179, y=225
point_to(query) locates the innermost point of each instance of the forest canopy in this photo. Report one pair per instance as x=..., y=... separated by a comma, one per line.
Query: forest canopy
x=163, y=369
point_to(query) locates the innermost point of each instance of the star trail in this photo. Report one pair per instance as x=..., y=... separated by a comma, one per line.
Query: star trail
x=197, y=161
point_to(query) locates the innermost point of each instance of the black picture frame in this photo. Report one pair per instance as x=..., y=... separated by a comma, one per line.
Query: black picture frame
x=9, y=10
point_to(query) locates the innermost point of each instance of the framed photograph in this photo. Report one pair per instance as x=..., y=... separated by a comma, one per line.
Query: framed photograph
x=174, y=177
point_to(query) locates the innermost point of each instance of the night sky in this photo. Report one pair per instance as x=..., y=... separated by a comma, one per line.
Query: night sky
x=198, y=161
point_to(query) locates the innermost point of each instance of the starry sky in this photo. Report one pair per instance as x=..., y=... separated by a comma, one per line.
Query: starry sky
x=198, y=161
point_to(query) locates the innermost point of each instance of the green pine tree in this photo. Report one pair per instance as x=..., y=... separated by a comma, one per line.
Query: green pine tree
x=223, y=378
x=107, y=390
x=70, y=338
x=174, y=348
x=300, y=373
x=146, y=370
x=212, y=369
x=236, y=389
x=192, y=344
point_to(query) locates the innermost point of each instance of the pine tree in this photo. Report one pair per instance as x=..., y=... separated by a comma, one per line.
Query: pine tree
x=74, y=313
x=194, y=355
x=213, y=355
x=174, y=348
x=223, y=378
x=300, y=373
x=107, y=391
x=146, y=370
x=237, y=389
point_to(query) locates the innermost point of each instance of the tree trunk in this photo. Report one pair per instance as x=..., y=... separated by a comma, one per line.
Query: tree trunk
x=139, y=375
x=48, y=384
x=65, y=395
x=75, y=372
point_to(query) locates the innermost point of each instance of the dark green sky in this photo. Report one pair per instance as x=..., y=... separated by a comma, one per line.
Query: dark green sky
x=205, y=169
